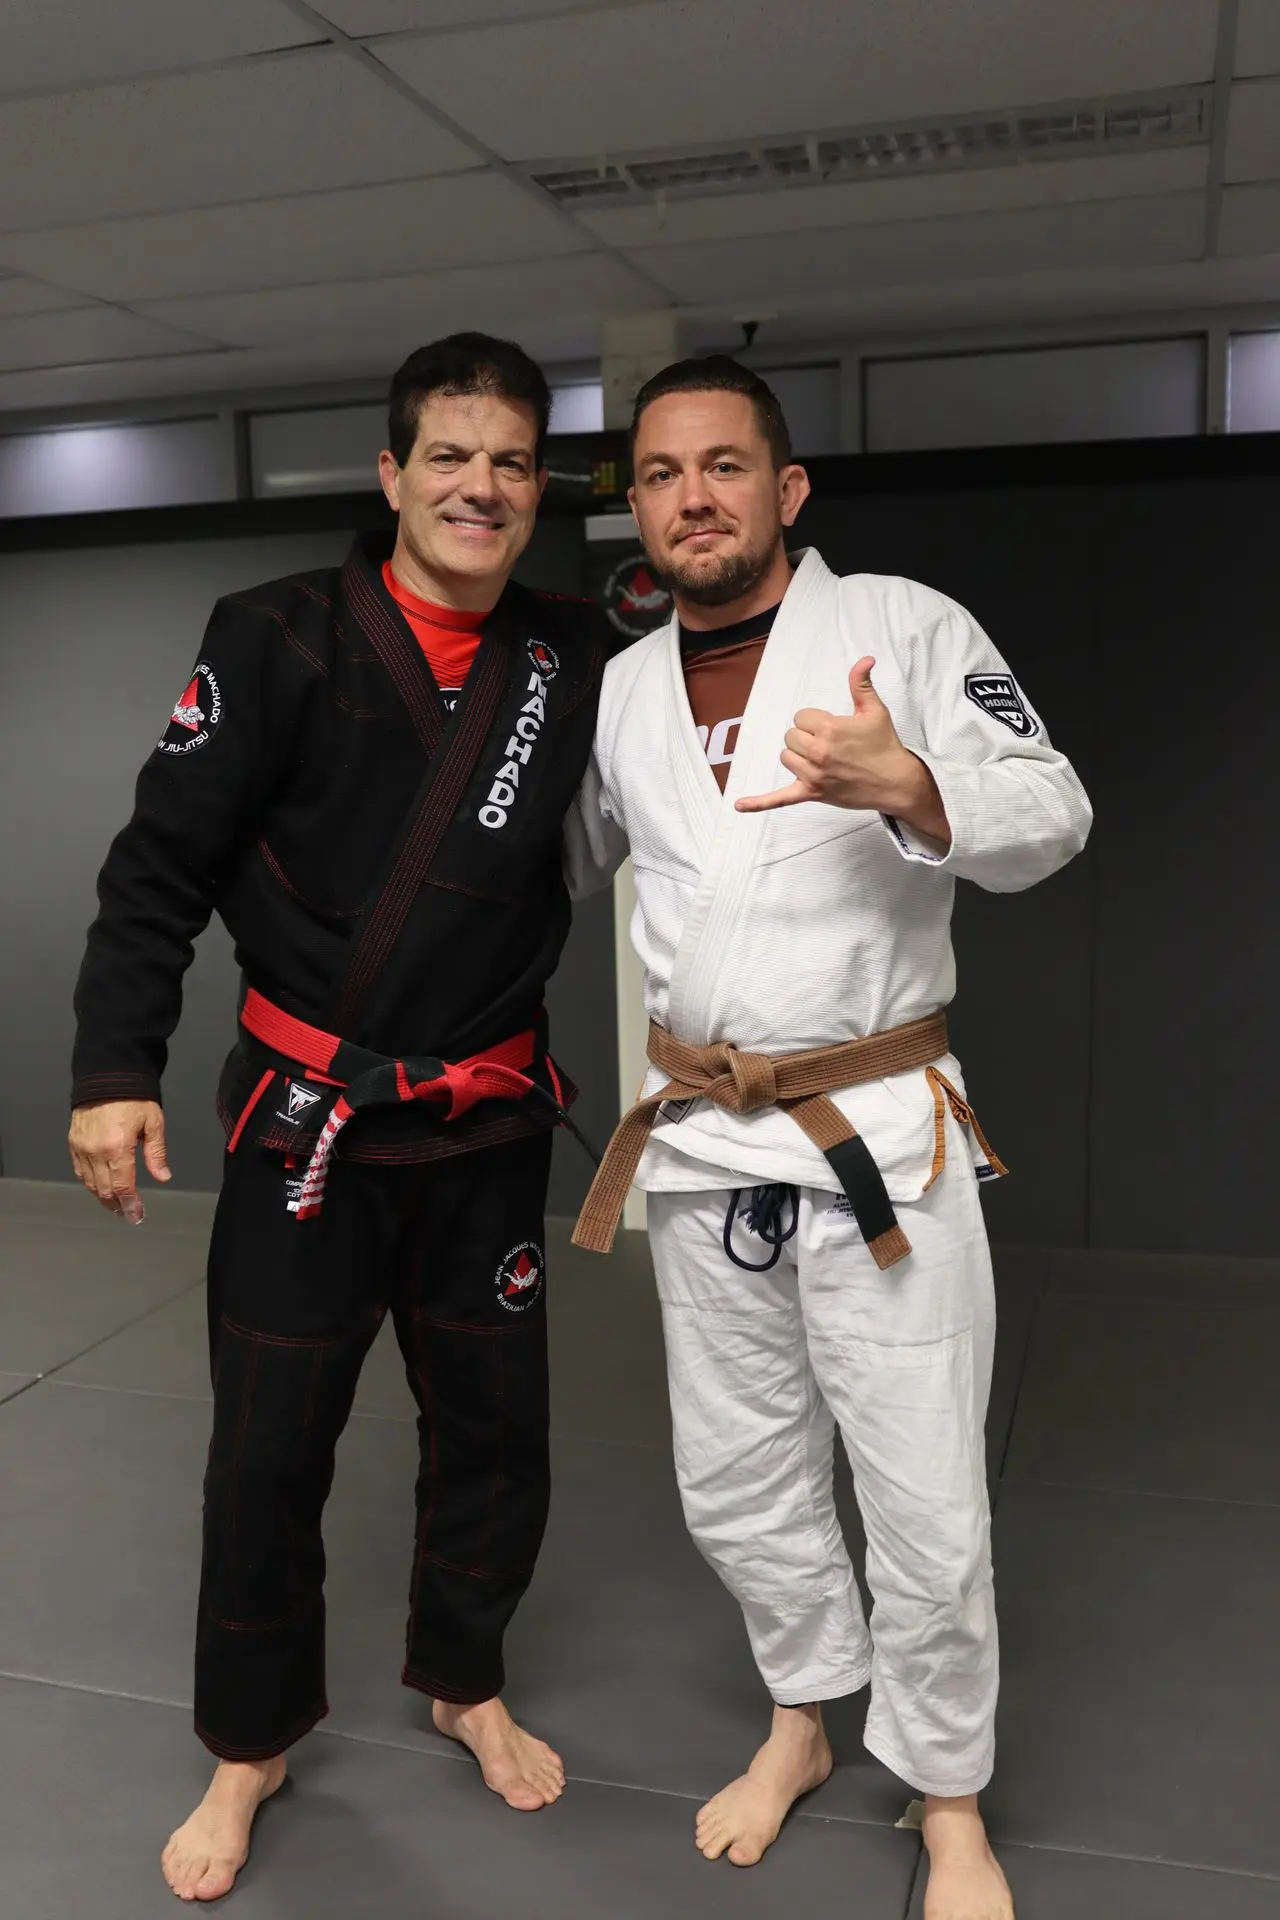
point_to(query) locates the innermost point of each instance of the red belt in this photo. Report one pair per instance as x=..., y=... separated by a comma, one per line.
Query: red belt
x=372, y=1079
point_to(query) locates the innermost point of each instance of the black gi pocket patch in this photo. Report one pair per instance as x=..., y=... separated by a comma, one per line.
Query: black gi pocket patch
x=196, y=714
x=998, y=694
x=520, y=1276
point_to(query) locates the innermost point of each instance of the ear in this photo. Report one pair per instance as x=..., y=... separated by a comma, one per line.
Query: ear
x=794, y=488
x=389, y=475
x=544, y=474
x=631, y=502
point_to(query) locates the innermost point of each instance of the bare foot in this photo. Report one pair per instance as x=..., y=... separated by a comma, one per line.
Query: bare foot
x=747, y=1817
x=204, y=1856
x=524, y=1771
x=965, y=1878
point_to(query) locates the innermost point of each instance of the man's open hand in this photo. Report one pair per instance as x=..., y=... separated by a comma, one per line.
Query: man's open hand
x=103, y=1142
x=856, y=760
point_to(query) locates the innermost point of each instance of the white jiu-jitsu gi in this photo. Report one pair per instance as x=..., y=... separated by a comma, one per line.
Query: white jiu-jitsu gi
x=798, y=928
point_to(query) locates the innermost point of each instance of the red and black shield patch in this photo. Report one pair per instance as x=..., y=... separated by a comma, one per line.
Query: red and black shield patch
x=520, y=1277
x=196, y=715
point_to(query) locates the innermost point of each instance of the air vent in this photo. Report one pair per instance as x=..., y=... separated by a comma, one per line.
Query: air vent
x=1034, y=134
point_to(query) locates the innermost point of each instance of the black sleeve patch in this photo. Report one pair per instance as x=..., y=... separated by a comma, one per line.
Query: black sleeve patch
x=998, y=694
x=197, y=715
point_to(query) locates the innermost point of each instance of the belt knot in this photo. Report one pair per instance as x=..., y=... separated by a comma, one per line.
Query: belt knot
x=752, y=1080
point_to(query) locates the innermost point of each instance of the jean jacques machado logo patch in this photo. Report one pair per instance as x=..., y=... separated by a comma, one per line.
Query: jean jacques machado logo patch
x=519, y=1278
x=519, y=748
x=195, y=718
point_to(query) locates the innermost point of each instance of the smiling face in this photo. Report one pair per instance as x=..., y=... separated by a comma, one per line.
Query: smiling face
x=467, y=497
x=710, y=504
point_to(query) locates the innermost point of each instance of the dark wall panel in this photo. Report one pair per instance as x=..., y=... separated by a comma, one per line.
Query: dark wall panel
x=1187, y=925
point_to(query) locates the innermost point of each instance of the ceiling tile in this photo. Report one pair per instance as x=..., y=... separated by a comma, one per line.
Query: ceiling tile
x=1250, y=219
x=858, y=203
x=281, y=125
x=1253, y=131
x=1258, y=37
x=702, y=70
x=63, y=43
x=936, y=313
x=454, y=220
x=87, y=333
x=20, y=295
x=498, y=299
x=397, y=16
x=731, y=271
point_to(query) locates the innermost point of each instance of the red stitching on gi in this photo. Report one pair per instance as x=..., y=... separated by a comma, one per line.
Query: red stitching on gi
x=313, y=594
x=274, y=613
x=225, y=1751
x=280, y=1339
x=398, y=652
x=456, y=1696
x=456, y=767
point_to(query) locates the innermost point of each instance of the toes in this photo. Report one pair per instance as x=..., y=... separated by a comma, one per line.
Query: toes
x=214, y=1883
x=746, y=1853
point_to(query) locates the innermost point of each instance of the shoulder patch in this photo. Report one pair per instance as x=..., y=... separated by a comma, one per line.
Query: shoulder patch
x=999, y=695
x=196, y=715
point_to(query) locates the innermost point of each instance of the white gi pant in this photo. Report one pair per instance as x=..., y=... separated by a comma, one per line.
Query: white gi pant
x=762, y=1366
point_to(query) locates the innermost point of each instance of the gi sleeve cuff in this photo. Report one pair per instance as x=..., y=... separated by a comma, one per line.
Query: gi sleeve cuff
x=91, y=1089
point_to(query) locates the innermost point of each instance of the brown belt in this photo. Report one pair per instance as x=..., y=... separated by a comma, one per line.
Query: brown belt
x=801, y=1084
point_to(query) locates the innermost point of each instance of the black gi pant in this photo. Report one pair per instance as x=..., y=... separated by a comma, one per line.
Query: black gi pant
x=453, y=1249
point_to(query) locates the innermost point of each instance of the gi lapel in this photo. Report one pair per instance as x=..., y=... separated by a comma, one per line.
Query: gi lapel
x=810, y=604
x=388, y=633
x=454, y=745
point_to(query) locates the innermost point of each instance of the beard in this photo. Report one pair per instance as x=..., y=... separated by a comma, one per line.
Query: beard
x=730, y=576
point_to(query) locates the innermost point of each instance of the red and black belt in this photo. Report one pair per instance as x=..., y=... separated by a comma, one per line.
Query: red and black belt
x=368, y=1079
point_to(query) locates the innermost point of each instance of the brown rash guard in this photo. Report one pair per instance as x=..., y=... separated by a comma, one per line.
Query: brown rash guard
x=719, y=671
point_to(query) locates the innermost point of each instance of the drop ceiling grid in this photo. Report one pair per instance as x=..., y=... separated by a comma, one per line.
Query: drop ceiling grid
x=695, y=71
x=71, y=43
x=1258, y=38
x=467, y=219
x=1100, y=234
x=921, y=196
x=239, y=132
x=505, y=298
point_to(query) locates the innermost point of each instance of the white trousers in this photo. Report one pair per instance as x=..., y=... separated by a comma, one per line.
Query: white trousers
x=762, y=1366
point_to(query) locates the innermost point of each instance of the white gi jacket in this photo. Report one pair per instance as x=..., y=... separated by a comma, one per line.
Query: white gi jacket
x=813, y=924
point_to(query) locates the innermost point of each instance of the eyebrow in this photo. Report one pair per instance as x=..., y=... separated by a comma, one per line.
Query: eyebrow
x=708, y=453
x=467, y=453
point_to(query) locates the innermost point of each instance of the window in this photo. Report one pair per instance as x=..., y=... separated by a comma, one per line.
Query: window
x=96, y=469
x=1135, y=391
x=1255, y=383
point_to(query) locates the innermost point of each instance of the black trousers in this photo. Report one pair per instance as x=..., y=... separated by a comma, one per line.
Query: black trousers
x=453, y=1249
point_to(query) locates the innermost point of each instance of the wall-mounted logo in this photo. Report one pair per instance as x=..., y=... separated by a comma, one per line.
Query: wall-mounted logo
x=635, y=602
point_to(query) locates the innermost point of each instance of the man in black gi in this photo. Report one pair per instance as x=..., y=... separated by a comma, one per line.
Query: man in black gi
x=386, y=853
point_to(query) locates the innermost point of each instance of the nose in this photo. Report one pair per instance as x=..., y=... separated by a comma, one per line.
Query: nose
x=479, y=481
x=694, y=499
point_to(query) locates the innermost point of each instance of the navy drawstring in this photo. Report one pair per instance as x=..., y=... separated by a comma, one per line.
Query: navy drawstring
x=763, y=1215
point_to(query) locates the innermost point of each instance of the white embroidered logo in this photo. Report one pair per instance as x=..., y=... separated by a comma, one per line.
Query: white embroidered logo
x=502, y=793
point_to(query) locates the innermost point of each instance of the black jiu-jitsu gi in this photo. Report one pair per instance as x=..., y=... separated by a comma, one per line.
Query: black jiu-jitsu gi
x=390, y=873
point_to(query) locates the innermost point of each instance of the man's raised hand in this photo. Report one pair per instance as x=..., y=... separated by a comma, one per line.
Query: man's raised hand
x=103, y=1142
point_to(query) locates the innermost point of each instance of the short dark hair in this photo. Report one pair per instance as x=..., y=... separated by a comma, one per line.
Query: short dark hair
x=459, y=364
x=718, y=373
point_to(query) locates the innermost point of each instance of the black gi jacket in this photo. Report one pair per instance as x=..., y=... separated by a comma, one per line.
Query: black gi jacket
x=388, y=871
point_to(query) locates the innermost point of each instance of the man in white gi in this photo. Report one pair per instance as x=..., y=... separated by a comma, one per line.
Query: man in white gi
x=811, y=1163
